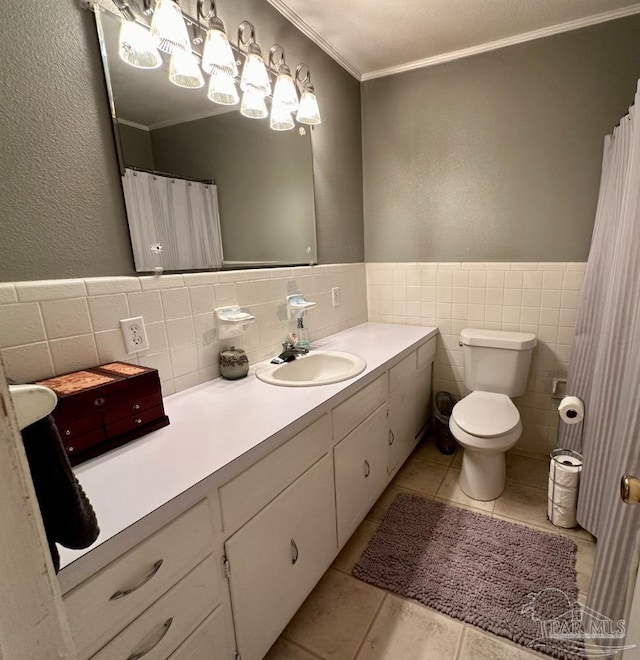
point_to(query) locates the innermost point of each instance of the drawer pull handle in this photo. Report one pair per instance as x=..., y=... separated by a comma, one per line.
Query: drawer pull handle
x=140, y=654
x=136, y=406
x=67, y=432
x=71, y=448
x=392, y=437
x=294, y=553
x=145, y=579
x=138, y=420
x=367, y=469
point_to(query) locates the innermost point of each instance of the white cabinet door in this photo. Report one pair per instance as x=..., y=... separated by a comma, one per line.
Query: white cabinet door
x=277, y=558
x=403, y=422
x=360, y=463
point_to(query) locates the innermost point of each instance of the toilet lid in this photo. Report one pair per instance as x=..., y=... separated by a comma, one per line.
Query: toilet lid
x=486, y=414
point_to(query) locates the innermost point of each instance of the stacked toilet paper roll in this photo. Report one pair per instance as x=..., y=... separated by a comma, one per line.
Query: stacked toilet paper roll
x=564, y=480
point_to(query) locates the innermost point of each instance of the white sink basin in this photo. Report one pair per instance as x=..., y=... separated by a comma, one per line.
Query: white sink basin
x=317, y=368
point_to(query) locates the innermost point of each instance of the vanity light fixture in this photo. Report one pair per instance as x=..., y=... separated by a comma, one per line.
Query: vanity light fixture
x=169, y=29
x=136, y=46
x=184, y=70
x=222, y=89
x=308, y=110
x=284, y=91
x=253, y=104
x=217, y=55
x=139, y=46
x=254, y=72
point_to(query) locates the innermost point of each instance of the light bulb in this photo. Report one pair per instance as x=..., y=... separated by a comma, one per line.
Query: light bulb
x=284, y=91
x=281, y=119
x=308, y=110
x=254, y=72
x=184, y=70
x=253, y=105
x=169, y=29
x=217, y=54
x=137, y=47
x=222, y=89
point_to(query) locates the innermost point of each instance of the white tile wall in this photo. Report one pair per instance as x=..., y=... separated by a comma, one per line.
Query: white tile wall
x=532, y=297
x=52, y=327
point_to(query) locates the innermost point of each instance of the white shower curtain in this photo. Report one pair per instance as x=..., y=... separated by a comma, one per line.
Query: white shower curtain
x=180, y=216
x=605, y=369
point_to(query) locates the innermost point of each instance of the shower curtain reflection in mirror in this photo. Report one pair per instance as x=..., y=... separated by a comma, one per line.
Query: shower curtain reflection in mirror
x=174, y=223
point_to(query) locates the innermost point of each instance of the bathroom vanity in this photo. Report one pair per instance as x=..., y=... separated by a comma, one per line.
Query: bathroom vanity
x=215, y=529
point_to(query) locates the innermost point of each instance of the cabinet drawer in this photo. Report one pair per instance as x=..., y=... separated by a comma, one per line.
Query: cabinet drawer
x=427, y=353
x=209, y=641
x=278, y=557
x=98, y=609
x=132, y=407
x=129, y=423
x=162, y=628
x=402, y=370
x=245, y=495
x=360, y=463
x=357, y=408
x=70, y=428
x=82, y=442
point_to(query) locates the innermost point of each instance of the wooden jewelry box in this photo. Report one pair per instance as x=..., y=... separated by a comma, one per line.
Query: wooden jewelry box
x=104, y=407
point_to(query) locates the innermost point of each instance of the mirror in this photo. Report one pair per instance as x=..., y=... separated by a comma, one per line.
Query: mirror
x=194, y=172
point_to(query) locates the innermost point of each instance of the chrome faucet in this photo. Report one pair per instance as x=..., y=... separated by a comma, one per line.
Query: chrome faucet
x=289, y=352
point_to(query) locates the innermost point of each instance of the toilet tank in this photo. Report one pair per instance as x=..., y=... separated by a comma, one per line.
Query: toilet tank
x=497, y=361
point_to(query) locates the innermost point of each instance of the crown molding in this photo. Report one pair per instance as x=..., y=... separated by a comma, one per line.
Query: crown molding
x=133, y=124
x=503, y=43
x=309, y=32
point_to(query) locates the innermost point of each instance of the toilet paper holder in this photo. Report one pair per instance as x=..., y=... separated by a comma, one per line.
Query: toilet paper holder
x=555, y=383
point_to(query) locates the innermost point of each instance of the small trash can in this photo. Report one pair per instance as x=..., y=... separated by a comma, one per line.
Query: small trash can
x=443, y=403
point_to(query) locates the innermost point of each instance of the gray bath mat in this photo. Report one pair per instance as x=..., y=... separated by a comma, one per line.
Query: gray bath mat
x=510, y=580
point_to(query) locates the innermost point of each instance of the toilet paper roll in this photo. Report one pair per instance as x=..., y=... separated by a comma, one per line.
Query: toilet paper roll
x=563, y=496
x=565, y=470
x=571, y=410
x=561, y=517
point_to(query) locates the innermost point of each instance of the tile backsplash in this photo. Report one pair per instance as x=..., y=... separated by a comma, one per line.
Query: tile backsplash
x=532, y=297
x=52, y=327
x=56, y=326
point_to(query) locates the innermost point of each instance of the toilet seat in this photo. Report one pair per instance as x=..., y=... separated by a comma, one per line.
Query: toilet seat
x=486, y=415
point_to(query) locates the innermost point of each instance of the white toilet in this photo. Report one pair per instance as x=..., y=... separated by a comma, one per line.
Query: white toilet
x=486, y=422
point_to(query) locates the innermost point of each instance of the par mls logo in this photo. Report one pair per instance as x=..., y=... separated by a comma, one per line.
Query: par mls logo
x=578, y=627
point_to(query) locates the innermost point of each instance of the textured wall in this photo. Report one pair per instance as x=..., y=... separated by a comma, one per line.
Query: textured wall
x=496, y=157
x=137, y=150
x=62, y=212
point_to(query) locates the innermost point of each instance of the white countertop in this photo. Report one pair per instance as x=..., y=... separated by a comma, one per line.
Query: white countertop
x=214, y=424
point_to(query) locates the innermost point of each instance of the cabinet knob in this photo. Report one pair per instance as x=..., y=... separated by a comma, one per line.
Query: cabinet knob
x=367, y=469
x=67, y=432
x=136, y=406
x=138, y=420
x=70, y=449
x=140, y=654
x=294, y=553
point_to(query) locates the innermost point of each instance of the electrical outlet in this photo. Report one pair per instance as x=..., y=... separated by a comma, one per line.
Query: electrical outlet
x=335, y=296
x=134, y=334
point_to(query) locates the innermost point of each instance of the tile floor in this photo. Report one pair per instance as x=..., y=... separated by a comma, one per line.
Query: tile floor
x=346, y=619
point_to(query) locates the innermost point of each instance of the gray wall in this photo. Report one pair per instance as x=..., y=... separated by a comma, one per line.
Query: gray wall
x=137, y=150
x=496, y=157
x=62, y=211
x=264, y=180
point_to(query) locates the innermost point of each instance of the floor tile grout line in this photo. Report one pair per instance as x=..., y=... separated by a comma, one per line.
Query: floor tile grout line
x=460, y=641
x=315, y=654
x=371, y=623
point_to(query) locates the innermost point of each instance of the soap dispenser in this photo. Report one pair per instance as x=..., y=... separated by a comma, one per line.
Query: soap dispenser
x=303, y=334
